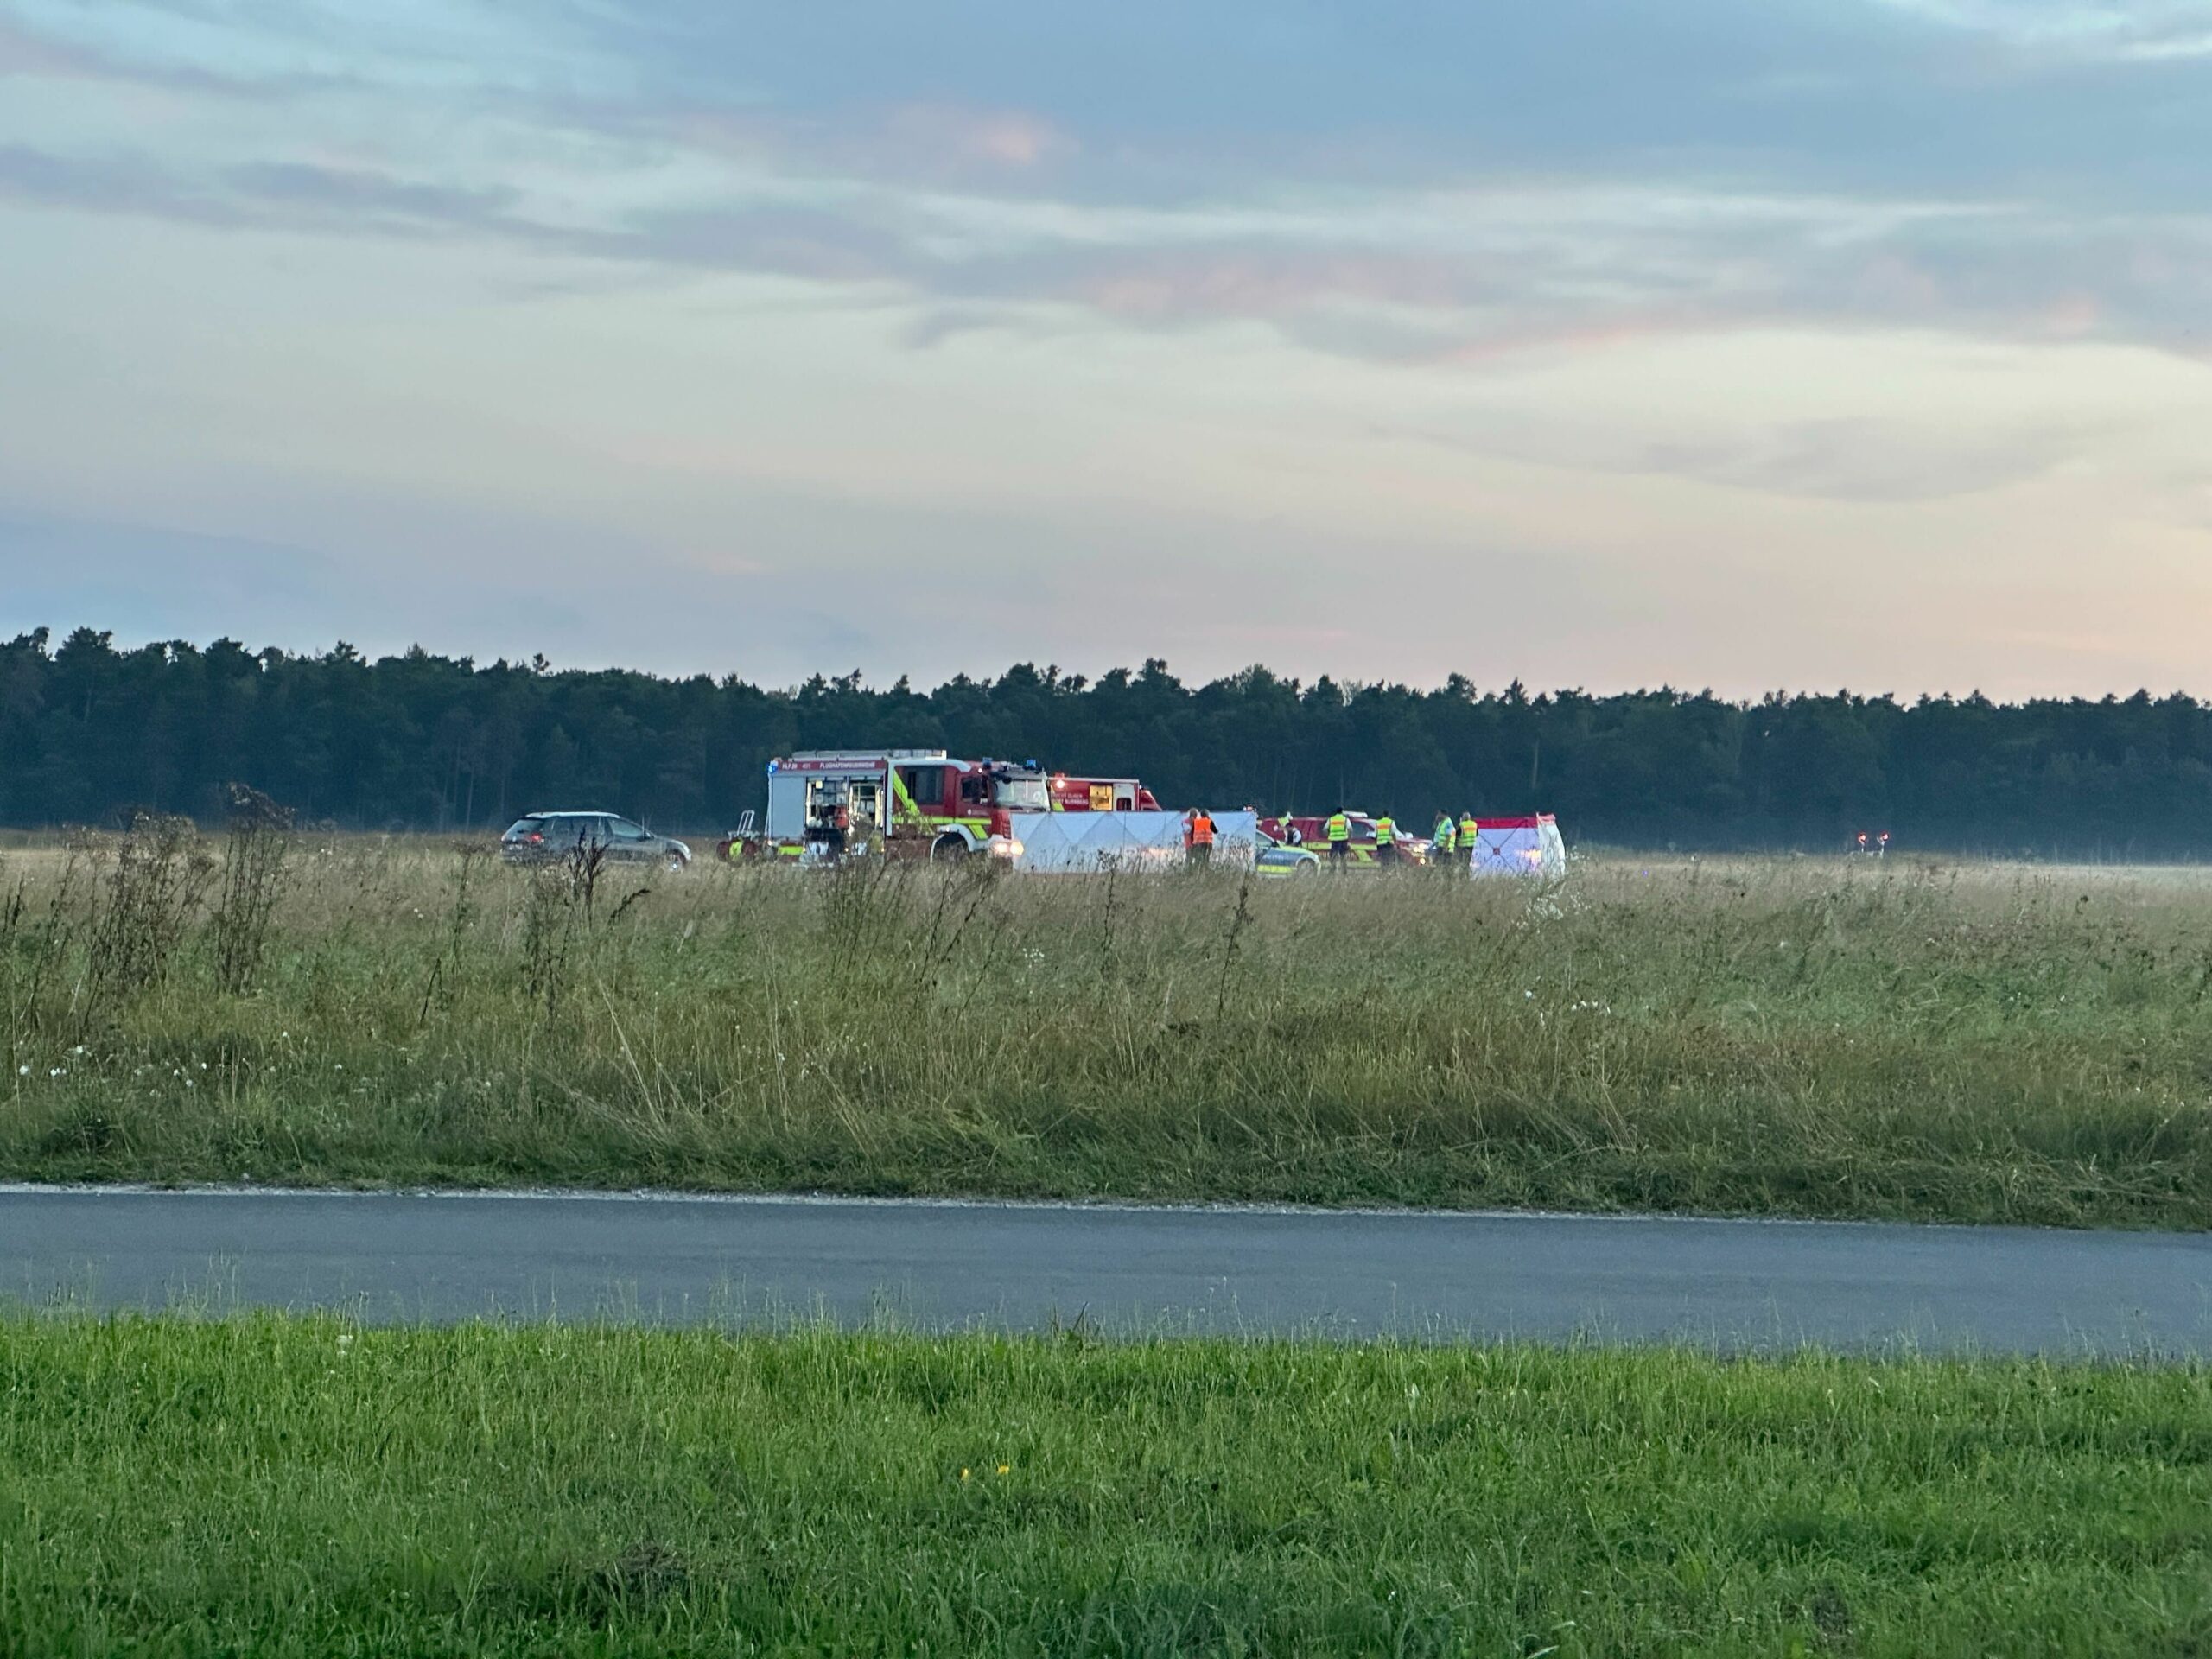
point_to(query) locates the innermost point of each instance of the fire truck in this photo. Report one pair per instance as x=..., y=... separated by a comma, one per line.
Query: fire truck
x=1099, y=794
x=824, y=804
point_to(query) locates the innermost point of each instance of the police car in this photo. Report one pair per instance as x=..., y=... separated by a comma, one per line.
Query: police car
x=1295, y=846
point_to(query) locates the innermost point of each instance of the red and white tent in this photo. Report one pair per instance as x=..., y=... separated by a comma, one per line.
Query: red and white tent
x=1529, y=846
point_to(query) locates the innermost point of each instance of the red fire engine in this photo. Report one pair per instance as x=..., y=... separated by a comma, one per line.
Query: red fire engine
x=891, y=802
x=1099, y=794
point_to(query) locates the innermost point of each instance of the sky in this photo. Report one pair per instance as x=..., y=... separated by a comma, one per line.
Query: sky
x=1741, y=344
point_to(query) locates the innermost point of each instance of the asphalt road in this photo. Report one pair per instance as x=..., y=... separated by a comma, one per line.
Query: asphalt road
x=1734, y=1284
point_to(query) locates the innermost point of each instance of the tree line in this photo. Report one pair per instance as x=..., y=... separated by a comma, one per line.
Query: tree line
x=89, y=732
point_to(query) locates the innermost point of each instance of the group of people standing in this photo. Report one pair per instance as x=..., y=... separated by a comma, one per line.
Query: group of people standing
x=1449, y=838
x=1450, y=844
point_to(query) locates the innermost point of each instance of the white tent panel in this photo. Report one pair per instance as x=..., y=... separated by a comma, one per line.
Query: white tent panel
x=1519, y=849
x=1058, y=843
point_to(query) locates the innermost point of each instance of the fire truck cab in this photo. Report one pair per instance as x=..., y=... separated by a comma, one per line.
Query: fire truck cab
x=894, y=803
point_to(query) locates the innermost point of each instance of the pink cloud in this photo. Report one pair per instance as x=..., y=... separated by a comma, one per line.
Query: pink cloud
x=956, y=132
x=910, y=139
x=2074, y=315
x=1219, y=282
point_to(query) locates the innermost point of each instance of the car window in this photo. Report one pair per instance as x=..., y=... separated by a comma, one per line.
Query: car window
x=625, y=831
x=527, y=827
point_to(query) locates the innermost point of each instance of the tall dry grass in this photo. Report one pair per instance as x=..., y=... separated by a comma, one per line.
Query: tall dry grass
x=1784, y=1036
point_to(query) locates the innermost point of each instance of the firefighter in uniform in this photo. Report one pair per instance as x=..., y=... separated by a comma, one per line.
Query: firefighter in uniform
x=1339, y=832
x=1201, y=852
x=1386, y=840
x=1444, y=841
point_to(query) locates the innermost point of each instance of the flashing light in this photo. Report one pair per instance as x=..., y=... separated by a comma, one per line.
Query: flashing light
x=771, y=768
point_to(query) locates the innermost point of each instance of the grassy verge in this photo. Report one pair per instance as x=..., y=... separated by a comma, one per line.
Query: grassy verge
x=1779, y=1038
x=296, y=1486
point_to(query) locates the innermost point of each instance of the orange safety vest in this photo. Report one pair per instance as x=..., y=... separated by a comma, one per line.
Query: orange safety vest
x=1202, y=830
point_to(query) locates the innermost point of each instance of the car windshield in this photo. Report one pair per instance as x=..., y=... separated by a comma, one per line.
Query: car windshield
x=1023, y=794
x=525, y=826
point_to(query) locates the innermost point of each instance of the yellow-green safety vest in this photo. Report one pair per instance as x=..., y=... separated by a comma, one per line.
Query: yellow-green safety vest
x=1447, y=838
x=1386, y=831
x=1468, y=829
x=1338, y=828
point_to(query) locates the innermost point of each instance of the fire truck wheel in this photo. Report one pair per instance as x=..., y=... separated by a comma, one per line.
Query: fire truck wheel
x=948, y=849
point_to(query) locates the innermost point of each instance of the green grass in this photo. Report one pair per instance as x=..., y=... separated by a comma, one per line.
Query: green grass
x=1792, y=1037
x=281, y=1485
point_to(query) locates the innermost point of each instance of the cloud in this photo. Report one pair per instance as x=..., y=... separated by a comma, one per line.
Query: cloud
x=1869, y=460
x=103, y=186
x=1000, y=138
x=28, y=55
x=1431, y=185
x=1859, y=460
x=1462, y=277
x=362, y=193
x=293, y=196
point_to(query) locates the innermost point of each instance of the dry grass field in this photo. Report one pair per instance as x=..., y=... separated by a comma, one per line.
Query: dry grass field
x=1800, y=1036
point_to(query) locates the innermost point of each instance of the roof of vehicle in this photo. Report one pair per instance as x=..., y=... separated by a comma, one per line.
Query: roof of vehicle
x=573, y=812
x=865, y=762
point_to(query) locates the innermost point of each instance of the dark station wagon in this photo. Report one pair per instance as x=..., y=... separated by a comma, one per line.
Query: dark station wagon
x=542, y=837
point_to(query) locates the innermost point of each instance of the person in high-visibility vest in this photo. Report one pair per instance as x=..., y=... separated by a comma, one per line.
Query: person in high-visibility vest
x=1201, y=838
x=1469, y=829
x=1339, y=831
x=1386, y=840
x=1444, y=841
